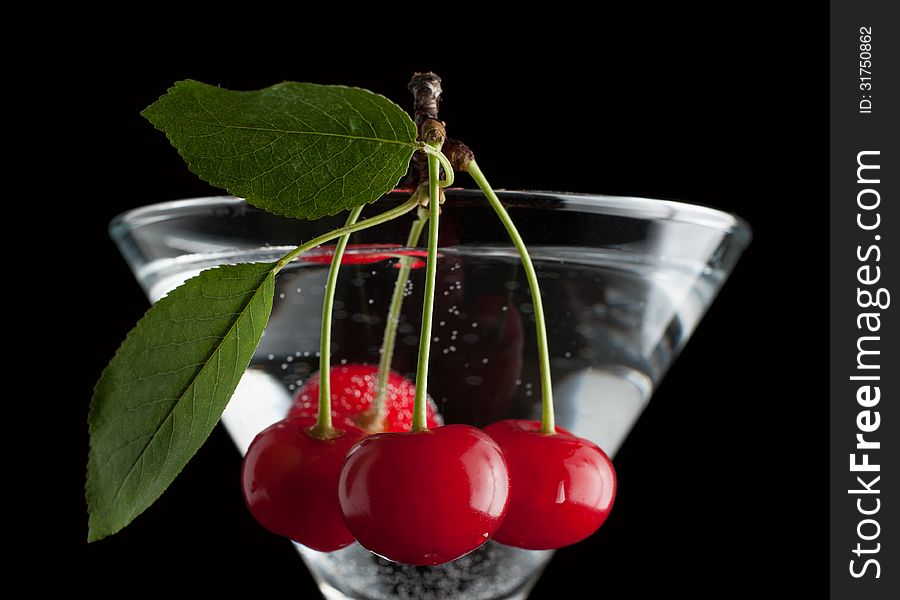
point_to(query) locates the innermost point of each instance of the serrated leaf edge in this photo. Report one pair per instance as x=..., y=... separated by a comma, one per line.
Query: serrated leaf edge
x=257, y=202
x=92, y=534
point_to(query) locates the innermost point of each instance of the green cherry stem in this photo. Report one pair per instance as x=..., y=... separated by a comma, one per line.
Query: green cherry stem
x=388, y=215
x=449, y=174
x=548, y=421
x=393, y=320
x=323, y=427
x=419, y=422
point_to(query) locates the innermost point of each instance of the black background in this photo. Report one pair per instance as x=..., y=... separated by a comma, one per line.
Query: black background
x=723, y=480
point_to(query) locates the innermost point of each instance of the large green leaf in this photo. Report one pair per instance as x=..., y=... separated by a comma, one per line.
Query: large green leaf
x=161, y=395
x=295, y=149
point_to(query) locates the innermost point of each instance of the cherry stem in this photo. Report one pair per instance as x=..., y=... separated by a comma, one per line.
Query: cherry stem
x=388, y=215
x=393, y=320
x=548, y=421
x=449, y=174
x=419, y=422
x=323, y=427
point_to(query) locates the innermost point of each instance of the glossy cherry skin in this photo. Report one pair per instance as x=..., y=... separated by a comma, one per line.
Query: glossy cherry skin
x=290, y=480
x=562, y=486
x=353, y=392
x=424, y=498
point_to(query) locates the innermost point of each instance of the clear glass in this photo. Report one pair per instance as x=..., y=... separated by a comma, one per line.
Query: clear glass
x=624, y=280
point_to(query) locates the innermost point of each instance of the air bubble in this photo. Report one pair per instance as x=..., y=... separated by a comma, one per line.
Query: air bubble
x=271, y=357
x=281, y=295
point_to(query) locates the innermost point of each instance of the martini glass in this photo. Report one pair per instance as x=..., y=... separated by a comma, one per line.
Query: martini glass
x=625, y=281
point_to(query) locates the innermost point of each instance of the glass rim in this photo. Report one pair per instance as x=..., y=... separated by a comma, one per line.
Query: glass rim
x=626, y=206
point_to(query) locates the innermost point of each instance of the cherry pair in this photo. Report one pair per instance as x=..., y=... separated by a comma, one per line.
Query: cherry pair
x=426, y=497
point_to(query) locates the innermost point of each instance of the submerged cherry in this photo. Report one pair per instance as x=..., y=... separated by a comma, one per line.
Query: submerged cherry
x=353, y=392
x=425, y=497
x=363, y=254
x=562, y=486
x=289, y=479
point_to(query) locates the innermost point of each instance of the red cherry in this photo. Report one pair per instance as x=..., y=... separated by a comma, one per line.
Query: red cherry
x=353, y=392
x=324, y=254
x=290, y=483
x=563, y=486
x=424, y=498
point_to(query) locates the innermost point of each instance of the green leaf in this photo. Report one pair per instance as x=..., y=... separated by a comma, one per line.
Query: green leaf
x=294, y=149
x=166, y=387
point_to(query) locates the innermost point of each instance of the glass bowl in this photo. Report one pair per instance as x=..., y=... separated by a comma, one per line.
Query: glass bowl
x=624, y=282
